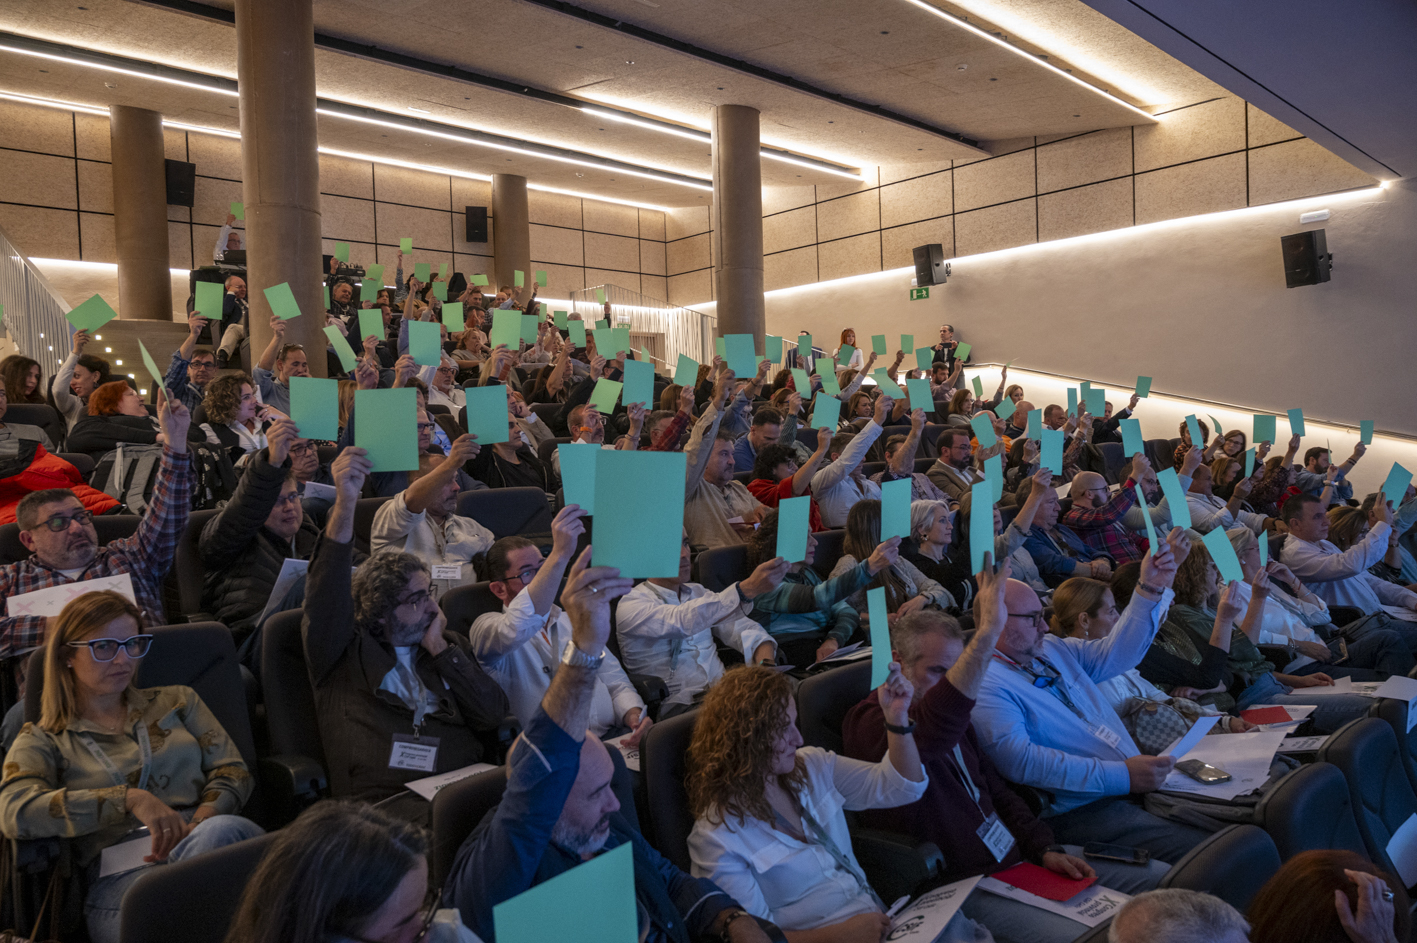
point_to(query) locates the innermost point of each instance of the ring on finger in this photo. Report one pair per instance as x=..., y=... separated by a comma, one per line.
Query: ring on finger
x=1388, y=894
x=594, y=589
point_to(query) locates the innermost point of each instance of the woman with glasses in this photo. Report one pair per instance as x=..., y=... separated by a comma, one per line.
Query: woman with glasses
x=108, y=759
x=116, y=417
x=907, y=589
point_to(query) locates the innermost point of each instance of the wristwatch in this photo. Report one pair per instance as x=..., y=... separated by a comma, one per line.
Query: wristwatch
x=576, y=658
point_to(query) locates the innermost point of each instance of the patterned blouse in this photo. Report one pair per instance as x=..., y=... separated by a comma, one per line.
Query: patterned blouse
x=53, y=786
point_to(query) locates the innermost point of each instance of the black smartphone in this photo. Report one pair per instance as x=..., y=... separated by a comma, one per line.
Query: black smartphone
x=1122, y=853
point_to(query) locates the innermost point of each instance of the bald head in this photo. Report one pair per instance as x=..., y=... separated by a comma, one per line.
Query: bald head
x=1021, y=410
x=1024, y=629
x=1089, y=490
x=1174, y=915
x=584, y=825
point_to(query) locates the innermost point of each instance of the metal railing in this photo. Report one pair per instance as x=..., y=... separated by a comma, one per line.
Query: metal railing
x=34, y=311
x=665, y=330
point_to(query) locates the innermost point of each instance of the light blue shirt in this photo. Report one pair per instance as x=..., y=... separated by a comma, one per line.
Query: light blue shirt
x=1033, y=737
x=274, y=393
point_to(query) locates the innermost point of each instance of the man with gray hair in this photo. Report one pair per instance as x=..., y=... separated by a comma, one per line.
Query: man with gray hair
x=390, y=680
x=1175, y=915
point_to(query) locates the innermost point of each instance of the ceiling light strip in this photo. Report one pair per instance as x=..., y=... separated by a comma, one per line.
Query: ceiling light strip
x=985, y=34
x=55, y=52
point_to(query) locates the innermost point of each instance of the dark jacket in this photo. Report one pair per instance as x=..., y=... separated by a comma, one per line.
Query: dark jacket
x=95, y=435
x=242, y=558
x=358, y=720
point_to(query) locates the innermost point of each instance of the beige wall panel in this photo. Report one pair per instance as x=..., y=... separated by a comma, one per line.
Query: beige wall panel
x=471, y=265
x=478, y=193
x=179, y=246
x=96, y=190
x=38, y=179
x=554, y=244
x=561, y=280
x=611, y=218
x=1073, y=162
x=656, y=286
x=175, y=214
x=214, y=156
x=96, y=239
x=32, y=128
x=627, y=280
x=41, y=233
x=995, y=227
x=548, y=209
x=691, y=288
x=174, y=145
x=685, y=221
x=412, y=187
x=1263, y=129
x=853, y=256
x=790, y=230
x=998, y=180
x=360, y=252
x=919, y=198
x=1206, y=186
x=831, y=191
x=347, y=220
x=652, y=258
x=431, y=230
x=618, y=253
x=897, y=172
x=651, y=224
x=203, y=242
x=786, y=269
x=1297, y=169
x=896, y=243
x=344, y=177
x=92, y=134
x=849, y=216
x=687, y=255
x=780, y=199
x=212, y=203
x=1216, y=127
x=1082, y=210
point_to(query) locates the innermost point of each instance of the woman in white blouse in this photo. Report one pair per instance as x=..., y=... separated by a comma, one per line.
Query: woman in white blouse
x=771, y=830
x=856, y=361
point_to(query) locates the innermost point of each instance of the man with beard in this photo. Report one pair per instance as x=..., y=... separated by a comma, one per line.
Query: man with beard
x=559, y=810
x=398, y=697
x=60, y=532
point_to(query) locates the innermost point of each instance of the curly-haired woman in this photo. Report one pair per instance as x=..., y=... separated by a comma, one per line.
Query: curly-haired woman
x=235, y=417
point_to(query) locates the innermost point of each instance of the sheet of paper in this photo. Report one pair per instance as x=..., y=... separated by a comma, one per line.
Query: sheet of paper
x=518, y=278
x=371, y=324
x=639, y=383
x=604, y=342
x=453, y=317
x=1041, y=882
x=506, y=329
x=1005, y=409
x=342, y=349
x=687, y=372
x=314, y=407
x=342, y=251
x=1072, y=401
x=1339, y=686
x=631, y=755
x=772, y=347
x=639, y=504
x=978, y=385
x=1249, y=462
x=91, y=315
x=1401, y=688
x=1051, y=449
x=793, y=526
x=1268, y=714
x=924, y=358
x=386, y=425
x=920, y=395
x=1187, y=742
x=880, y=636
x=1263, y=429
x=1143, y=387
x=843, y=652
x=801, y=383
x=1090, y=908
x=1402, y=850
x=1395, y=487
x=741, y=354
x=895, y=508
x=1096, y=401
x=962, y=351
x=371, y=283
x=125, y=856
x=981, y=524
x=487, y=416
x=150, y=364
x=51, y=601
x=1215, y=427
x=1365, y=431
x=425, y=343
x=1264, y=550
x=1296, y=422
x=1193, y=428
x=1035, y=425
x=888, y=387
x=605, y=395
x=826, y=410
x=1175, y=497
x=804, y=346
x=1223, y=554
x=1132, y=442
x=480, y=280
x=428, y=786
x=1151, y=537
x=994, y=475
x=423, y=271
x=406, y=245
x=238, y=209
x=313, y=489
x=925, y=918
x=597, y=898
x=1245, y=756
x=578, y=473
x=878, y=345
x=282, y=301
x=541, y=277
x=845, y=354
x=292, y=571
x=530, y=329
x=984, y=431
x=210, y=297
x=558, y=318
x=830, y=385
x=1302, y=744
x=577, y=329
x=443, y=274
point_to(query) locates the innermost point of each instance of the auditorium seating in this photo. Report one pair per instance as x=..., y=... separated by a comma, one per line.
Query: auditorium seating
x=1308, y=808
x=1233, y=864
x=194, y=900
x=508, y=511
x=189, y=574
x=1366, y=752
x=42, y=415
x=1394, y=712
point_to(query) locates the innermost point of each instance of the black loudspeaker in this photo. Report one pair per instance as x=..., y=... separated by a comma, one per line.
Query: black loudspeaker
x=181, y=183
x=1307, y=260
x=476, y=223
x=930, y=265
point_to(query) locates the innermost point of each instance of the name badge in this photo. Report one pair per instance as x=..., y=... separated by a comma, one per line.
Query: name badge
x=447, y=571
x=420, y=753
x=1106, y=734
x=996, y=837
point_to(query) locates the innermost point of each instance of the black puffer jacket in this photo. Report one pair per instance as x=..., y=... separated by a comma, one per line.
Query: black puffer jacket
x=243, y=558
x=96, y=435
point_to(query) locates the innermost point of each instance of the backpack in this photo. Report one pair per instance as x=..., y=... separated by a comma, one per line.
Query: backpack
x=129, y=474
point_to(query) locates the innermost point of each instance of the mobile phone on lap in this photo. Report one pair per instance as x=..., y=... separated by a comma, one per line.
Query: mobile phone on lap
x=1123, y=853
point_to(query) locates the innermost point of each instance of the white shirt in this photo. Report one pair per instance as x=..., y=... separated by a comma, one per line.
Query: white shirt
x=1210, y=512
x=1286, y=619
x=797, y=885
x=454, y=543
x=403, y=682
x=522, y=651
x=1341, y=578
x=834, y=487
x=857, y=360
x=669, y=634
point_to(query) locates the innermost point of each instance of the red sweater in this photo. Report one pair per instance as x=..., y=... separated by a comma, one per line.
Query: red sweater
x=946, y=815
x=769, y=493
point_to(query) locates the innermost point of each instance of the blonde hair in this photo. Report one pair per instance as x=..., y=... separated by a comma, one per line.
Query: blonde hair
x=58, y=704
x=1071, y=599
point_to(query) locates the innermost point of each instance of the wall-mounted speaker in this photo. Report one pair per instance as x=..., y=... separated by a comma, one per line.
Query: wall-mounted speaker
x=1307, y=260
x=476, y=223
x=181, y=183
x=930, y=265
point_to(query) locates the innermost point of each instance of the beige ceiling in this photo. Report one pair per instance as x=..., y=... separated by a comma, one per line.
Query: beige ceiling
x=884, y=52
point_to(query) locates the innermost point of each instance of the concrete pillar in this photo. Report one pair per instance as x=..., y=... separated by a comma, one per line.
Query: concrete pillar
x=738, y=221
x=275, y=66
x=511, y=234
x=140, y=213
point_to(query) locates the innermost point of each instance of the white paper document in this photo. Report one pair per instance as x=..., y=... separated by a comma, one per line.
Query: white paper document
x=1187, y=742
x=49, y=602
x=1343, y=686
x=1401, y=688
x=313, y=489
x=1402, y=850
x=1089, y=907
x=843, y=651
x=1245, y=756
x=631, y=754
x=1302, y=744
x=291, y=571
x=428, y=786
x=925, y=918
x=1401, y=612
x=125, y=856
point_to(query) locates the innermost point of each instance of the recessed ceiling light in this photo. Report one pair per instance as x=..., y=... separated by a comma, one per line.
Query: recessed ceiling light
x=962, y=66
x=629, y=62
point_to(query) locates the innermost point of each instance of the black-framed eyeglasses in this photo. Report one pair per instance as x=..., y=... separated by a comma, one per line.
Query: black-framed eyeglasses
x=526, y=574
x=106, y=649
x=426, y=427
x=1034, y=618
x=301, y=449
x=203, y=365
x=61, y=522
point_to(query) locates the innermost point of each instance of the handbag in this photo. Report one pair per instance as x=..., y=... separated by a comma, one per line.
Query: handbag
x=1155, y=725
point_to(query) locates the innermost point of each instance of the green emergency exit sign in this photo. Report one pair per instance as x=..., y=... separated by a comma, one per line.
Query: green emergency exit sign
x=920, y=294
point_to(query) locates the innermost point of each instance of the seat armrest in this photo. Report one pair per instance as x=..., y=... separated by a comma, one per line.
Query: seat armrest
x=291, y=784
x=1277, y=655
x=652, y=691
x=895, y=864
x=496, y=741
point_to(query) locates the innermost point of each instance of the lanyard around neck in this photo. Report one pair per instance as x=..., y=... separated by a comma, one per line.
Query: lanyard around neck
x=820, y=836
x=141, y=733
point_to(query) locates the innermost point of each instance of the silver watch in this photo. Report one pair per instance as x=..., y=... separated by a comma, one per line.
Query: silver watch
x=576, y=658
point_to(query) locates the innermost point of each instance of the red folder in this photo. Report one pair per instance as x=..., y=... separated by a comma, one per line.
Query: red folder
x=1266, y=715
x=1044, y=883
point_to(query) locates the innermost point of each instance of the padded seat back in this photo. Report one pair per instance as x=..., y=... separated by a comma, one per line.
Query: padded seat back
x=189, y=573
x=1394, y=712
x=1160, y=453
x=109, y=527
x=462, y=605
x=1112, y=459
x=457, y=810
x=39, y=414
x=721, y=567
x=870, y=468
x=544, y=450
x=829, y=544
x=1310, y=808
x=662, y=754
x=1366, y=751
x=823, y=700
x=365, y=510
x=285, y=686
x=79, y=460
x=743, y=477
x=1233, y=864
x=193, y=901
x=508, y=511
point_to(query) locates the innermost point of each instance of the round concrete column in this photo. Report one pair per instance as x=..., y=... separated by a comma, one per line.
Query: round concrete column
x=275, y=66
x=511, y=234
x=140, y=213
x=738, y=221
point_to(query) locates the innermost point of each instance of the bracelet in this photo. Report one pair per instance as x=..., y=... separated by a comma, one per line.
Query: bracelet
x=1157, y=590
x=902, y=731
x=723, y=932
